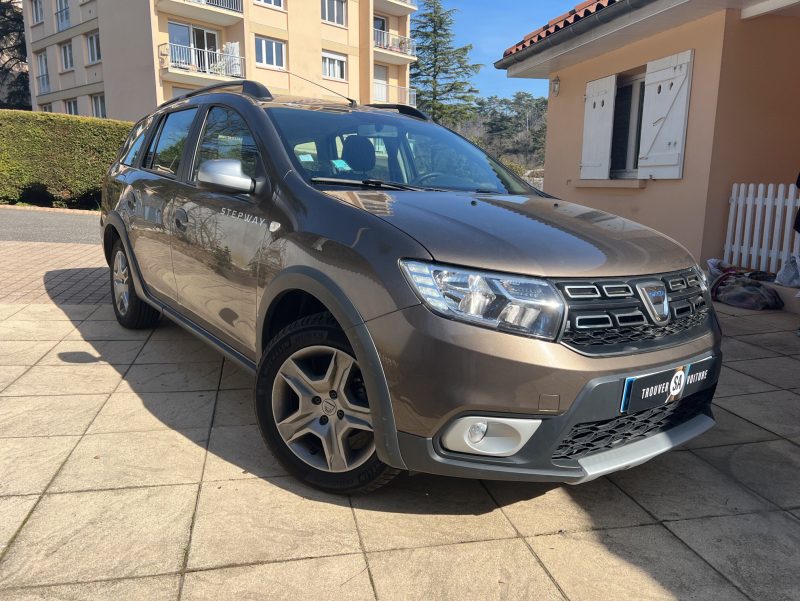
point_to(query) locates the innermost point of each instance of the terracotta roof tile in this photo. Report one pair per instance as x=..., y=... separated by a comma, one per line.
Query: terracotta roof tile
x=584, y=9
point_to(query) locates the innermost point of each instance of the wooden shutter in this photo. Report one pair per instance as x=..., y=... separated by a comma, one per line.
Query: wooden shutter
x=664, y=117
x=598, y=127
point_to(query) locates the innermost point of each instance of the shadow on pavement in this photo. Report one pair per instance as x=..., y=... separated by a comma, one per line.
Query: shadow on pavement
x=561, y=523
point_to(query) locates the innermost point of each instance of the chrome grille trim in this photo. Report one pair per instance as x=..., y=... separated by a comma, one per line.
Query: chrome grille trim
x=589, y=291
x=617, y=290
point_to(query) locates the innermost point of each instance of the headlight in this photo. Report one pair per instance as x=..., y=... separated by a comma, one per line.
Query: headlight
x=517, y=304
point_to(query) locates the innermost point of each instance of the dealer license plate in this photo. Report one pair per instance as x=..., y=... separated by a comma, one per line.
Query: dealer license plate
x=660, y=388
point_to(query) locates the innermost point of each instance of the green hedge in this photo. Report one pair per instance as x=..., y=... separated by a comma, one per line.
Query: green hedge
x=58, y=160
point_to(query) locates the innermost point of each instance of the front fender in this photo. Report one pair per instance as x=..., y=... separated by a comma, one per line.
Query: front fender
x=336, y=301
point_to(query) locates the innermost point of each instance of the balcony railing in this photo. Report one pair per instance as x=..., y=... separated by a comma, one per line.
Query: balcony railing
x=397, y=43
x=383, y=92
x=233, y=5
x=197, y=60
x=43, y=83
x=62, y=19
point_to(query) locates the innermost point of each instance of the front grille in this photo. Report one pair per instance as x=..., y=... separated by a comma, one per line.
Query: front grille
x=593, y=437
x=610, y=317
x=627, y=335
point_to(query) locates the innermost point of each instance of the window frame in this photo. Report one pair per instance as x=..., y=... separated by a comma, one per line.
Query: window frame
x=46, y=108
x=636, y=81
x=261, y=43
x=94, y=98
x=93, y=49
x=200, y=127
x=69, y=102
x=326, y=16
x=37, y=12
x=152, y=143
x=62, y=50
x=335, y=56
x=273, y=4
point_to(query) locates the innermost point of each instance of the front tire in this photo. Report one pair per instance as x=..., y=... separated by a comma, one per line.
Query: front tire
x=313, y=411
x=131, y=311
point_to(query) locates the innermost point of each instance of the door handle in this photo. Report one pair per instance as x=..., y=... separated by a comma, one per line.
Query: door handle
x=181, y=220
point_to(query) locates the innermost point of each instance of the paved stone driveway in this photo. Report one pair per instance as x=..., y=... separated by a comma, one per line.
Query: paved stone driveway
x=131, y=468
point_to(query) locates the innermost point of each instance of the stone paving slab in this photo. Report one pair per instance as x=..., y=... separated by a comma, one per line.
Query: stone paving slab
x=131, y=468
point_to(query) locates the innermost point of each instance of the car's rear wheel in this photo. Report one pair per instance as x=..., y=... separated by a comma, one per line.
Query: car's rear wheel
x=313, y=411
x=131, y=311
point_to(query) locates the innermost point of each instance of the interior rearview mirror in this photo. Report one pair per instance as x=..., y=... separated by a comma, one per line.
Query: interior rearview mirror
x=225, y=175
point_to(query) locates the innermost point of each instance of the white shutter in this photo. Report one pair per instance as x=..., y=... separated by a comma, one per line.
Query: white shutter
x=598, y=126
x=664, y=117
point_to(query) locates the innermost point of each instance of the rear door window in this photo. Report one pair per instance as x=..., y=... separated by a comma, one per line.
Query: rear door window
x=133, y=146
x=166, y=149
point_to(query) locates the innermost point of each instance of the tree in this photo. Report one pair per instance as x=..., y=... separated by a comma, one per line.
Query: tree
x=442, y=72
x=13, y=75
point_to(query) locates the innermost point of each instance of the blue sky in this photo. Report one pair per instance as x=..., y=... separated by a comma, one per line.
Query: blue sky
x=493, y=26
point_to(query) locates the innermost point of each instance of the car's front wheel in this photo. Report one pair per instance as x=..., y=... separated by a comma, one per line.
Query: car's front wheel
x=131, y=311
x=313, y=411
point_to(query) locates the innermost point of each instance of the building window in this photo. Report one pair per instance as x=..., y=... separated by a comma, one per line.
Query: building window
x=93, y=45
x=43, y=79
x=62, y=15
x=334, y=66
x=334, y=11
x=270, y=52
x=71, y=106
x=272, y=3
x=66, y=57
x=46, y=108
x=627, y=126
x=634, y=123
x=37, y=11
x=99, y=106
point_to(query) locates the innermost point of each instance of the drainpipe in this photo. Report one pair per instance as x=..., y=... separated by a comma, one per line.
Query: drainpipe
x=597, y=18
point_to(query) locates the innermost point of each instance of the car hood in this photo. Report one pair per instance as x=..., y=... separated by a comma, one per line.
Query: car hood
x=523, y=234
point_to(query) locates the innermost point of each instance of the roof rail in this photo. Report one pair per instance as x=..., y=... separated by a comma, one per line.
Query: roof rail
x=249, y=87
x=403, y=109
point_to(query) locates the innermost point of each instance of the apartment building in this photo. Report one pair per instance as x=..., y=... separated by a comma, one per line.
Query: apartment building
x=121, y=58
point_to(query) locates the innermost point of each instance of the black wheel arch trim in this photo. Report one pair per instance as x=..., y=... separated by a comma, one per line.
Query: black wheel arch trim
x=323, y=288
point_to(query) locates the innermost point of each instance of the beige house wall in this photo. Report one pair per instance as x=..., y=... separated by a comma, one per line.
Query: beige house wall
x=675, y=207
x=757, y=130
x=134, y=79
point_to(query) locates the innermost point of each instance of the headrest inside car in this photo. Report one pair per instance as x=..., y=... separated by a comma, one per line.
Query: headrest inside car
x=359, y=153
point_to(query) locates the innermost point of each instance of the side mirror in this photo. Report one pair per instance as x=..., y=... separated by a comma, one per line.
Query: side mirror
x=225, y=175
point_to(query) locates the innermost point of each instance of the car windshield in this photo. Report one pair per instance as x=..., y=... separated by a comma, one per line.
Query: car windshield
x=386, y=147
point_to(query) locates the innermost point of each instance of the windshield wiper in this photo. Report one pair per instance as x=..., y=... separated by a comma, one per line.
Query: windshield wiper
x=369, y=183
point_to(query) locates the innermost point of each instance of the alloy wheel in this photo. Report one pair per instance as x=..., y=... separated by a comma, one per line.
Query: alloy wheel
x=320, y=408
x=122, y=293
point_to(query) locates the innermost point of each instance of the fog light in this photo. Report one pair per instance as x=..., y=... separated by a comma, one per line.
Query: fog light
x=477, y=431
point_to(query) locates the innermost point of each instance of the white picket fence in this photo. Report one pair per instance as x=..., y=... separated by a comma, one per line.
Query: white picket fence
x=760, y=226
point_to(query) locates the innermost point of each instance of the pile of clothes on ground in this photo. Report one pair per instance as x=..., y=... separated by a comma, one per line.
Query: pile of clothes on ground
x=741, y=288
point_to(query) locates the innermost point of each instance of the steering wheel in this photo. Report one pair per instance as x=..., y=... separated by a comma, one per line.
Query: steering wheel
x=423, y=178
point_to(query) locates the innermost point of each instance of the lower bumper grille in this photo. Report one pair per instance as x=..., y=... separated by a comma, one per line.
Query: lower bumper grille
x=593, y=437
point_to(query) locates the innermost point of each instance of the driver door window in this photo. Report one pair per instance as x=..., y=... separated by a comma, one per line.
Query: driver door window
x=226, y=136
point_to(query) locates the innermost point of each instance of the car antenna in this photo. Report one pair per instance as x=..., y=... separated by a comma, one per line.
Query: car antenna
x=353, y=103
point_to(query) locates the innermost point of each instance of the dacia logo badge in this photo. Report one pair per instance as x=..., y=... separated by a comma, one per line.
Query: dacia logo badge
x=656, y=301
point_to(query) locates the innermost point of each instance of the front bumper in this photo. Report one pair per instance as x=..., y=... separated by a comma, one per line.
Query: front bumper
x=439, y=370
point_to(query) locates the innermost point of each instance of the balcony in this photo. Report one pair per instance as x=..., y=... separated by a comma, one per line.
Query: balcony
x=383, y=92
x=43, y=84
x=62, y=19
x=397, y=8
x=183, y=64
x=218, y=12
x=394, y=49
